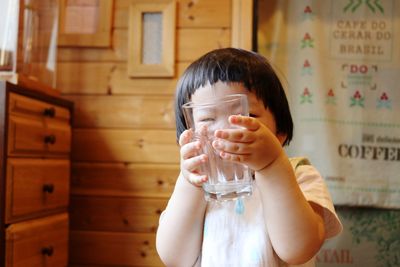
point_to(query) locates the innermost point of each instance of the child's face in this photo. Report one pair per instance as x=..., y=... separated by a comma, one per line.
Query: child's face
x=256, y=106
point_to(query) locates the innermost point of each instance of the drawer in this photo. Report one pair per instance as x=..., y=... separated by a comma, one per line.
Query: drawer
x=41, y=242
x=27, y=137
x=25, y=106
x=36, y=187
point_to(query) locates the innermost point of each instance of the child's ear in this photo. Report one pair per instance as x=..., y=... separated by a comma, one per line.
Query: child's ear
x=281, y=137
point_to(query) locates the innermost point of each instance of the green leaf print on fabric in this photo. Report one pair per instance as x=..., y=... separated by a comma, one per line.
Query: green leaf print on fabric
x=381, y=227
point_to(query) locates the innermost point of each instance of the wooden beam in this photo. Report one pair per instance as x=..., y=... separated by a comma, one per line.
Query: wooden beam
x=242, y=24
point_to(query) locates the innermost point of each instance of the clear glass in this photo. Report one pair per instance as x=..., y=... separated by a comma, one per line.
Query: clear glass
x=8, y=35
x=37, y=59
x=28, y=40
x=226, y=180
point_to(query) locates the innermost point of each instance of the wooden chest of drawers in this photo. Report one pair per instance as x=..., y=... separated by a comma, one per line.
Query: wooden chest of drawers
x=35, y=146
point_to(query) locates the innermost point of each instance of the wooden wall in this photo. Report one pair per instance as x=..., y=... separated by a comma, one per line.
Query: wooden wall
x=125, y=158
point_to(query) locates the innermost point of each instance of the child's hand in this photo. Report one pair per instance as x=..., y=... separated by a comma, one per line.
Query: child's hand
x=190, y=159
x=254, y=144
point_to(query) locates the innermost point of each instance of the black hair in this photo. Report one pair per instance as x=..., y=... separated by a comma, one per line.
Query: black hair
x=235, y=65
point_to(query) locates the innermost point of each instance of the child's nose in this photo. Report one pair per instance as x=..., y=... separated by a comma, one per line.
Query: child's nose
x=219, y=123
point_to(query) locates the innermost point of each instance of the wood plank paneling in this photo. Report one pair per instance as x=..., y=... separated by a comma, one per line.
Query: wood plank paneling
x=129, y=180
x=125, y=157
x=124, y=112
x=113, y=249
x=191, y=14
x=204, y=14
x=193, y=43
x=116, y=53
x=112, y=145
x=84, y=78
x=116, y=214
x=114, y=80
x=120, y=83
x=111, y=77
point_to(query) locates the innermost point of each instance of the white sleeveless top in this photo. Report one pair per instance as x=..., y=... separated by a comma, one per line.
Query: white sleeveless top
x=235, y=234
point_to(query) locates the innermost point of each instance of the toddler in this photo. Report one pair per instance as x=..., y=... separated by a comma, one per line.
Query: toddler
x=290, y=213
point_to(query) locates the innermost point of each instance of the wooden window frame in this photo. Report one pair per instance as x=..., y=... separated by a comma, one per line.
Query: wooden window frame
x=135, y=50
x=102, y=37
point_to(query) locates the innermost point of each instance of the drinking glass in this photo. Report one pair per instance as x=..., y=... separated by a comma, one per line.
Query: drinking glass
x=227, y=180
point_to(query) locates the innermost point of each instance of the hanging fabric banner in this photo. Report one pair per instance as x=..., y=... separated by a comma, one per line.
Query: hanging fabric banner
x=341, y=60
x=370, y=238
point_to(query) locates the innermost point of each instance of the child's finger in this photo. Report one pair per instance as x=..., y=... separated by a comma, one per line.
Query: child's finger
x=197, y=179
x=194, y=163
x=249, y=123
x=232, y=147
x=190, y=150
x=236, y=135
x=185, y=137
x=233, y=157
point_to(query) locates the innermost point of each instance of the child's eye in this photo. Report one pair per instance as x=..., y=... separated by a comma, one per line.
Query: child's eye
x=253, y=115
x=207, y=119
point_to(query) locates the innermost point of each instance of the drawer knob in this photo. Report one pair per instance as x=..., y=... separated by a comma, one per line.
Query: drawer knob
x=48, y=188
x=49, y=112
x=50, y=139
x=48, y=251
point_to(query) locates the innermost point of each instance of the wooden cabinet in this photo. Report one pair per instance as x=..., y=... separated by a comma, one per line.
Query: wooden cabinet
x=35, y=148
